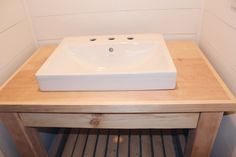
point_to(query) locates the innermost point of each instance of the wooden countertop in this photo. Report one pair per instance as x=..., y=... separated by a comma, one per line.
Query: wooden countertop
x=199, y=89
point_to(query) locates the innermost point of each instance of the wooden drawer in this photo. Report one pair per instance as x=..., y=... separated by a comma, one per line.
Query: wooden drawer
x=131, y=121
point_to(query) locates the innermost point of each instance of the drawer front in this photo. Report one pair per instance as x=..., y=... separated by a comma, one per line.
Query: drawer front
x=122, y=121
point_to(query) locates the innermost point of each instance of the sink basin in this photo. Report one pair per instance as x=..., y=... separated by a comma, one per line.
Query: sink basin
x=117, y=62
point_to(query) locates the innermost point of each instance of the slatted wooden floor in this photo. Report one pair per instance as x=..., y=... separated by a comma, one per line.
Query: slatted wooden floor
x=123, y=143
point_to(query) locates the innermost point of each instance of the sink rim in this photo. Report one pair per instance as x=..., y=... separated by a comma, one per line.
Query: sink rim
x=134, y=79
x=44, y=71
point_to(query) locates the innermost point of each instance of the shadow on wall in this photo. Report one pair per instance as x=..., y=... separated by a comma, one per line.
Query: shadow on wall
x=8, y=148
x=47, y=136
x=6, y=145
x=225, y=144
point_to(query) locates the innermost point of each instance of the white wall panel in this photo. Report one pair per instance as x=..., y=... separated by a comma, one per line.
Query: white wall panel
x=223, y=10
x=11, y=12
x=16, y=37
x=161, y=21
x=222, y=37
x=220, y=64
x=55, y=19
x=155, y=4
x=60, y=7
x=15, y=62
x=13, y=41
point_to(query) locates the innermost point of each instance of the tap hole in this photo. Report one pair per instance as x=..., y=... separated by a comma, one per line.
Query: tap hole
x=111, y=49
x=93, y=39
x=111, y=38
x=130, y=38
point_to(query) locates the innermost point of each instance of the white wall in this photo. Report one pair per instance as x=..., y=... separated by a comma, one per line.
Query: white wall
x=16, y=44
x=55, y=19
x=16, y=40
x=218, y=40
x=180, y=19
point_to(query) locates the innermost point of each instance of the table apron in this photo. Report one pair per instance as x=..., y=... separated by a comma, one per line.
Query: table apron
x=112, y=121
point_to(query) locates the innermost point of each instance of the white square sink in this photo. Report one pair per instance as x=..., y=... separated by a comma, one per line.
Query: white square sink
x=114, y=62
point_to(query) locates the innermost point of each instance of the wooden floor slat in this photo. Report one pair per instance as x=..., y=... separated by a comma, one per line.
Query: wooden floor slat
x=146, y=143
x=101, y=144
x=168, y=144
x=80, y=143
x=70, y=144
x=179, y=150
x=157, y=143
x=182, y=139
x=134, y=143
x=91, y=143
x=58, y=143
x=112, y=144
x=125, y=143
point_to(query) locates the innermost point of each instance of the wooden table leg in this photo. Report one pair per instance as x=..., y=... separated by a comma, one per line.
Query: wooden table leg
x=201, y=139
x=26, y=139
x=1, y=153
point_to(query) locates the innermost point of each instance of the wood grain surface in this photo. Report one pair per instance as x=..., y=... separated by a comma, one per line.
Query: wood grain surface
x=199, y=89
x=124, y=143
x=118, y=121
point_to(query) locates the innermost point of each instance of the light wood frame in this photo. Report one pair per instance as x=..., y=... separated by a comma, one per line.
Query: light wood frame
x=201, y=95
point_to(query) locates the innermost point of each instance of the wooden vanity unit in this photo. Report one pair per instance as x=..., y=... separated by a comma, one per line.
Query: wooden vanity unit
x=198, y=103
